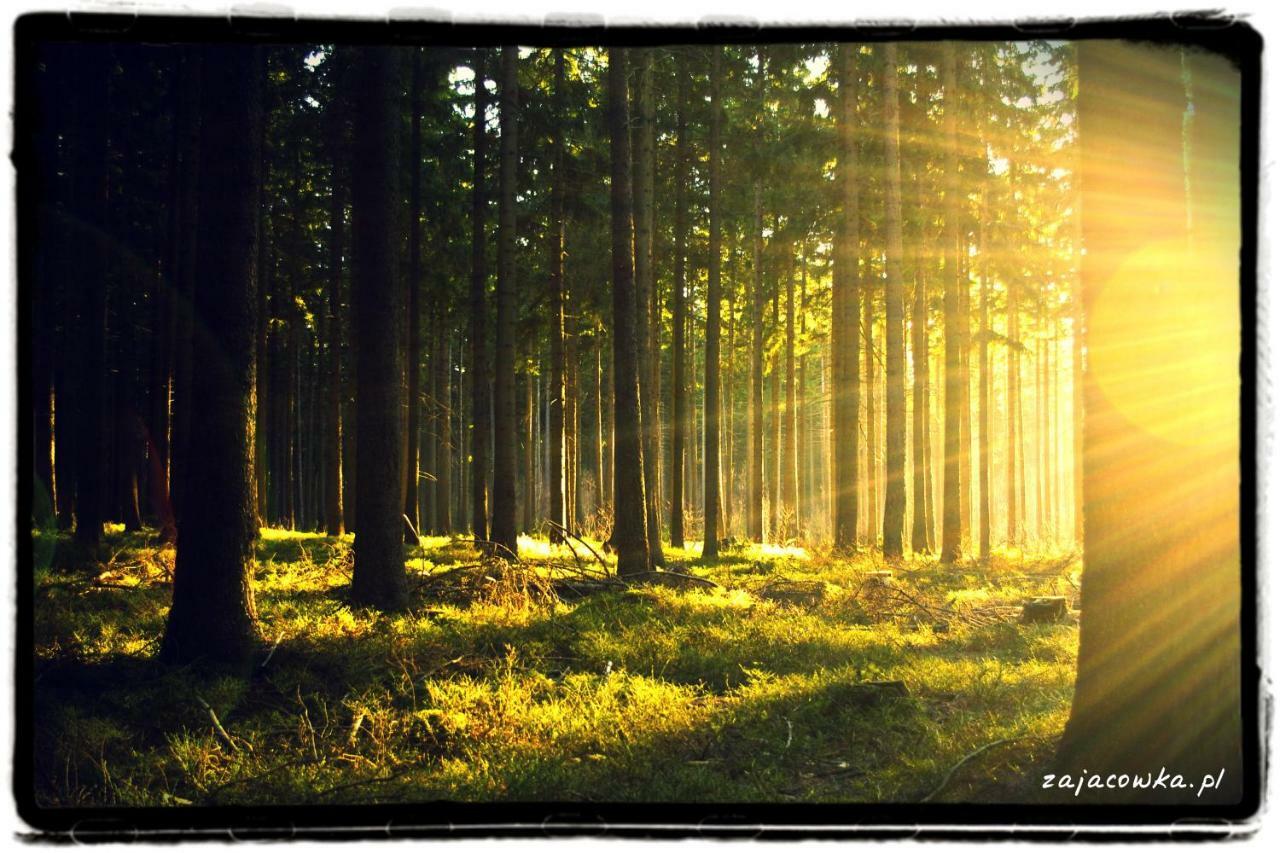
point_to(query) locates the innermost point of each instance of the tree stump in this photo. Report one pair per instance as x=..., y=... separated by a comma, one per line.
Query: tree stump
x=1051, y=608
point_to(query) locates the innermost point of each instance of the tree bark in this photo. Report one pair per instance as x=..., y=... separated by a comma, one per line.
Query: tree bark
x=679, y=417
x=334, y=521
x=755, y=384
x=646, y=300
x=413, y=367
x=895, y=495
x=504, y=374
x=213, y=613
x=630, y=537
x=711, y=360
x=951, y=509
x=479, y=312
x=91, y=145
x=844, y=323
x=1159, y=681
x=379, y=577
x=557, y=404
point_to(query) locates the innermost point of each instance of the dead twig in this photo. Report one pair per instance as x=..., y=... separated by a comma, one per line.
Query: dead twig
x=946, y=780
x=217, y=725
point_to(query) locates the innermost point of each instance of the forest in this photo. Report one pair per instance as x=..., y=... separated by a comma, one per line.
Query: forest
x=746, y=422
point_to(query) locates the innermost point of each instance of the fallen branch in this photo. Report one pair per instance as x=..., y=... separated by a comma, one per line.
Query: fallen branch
x=574, y=536
x=217, y=725
x=359, y=782
x=962, y=762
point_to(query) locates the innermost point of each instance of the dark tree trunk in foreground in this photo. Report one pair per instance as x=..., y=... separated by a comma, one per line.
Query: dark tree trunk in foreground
x=629, y=537
x=711, y=408
x=895, y=487
x=504, y=373
x=378, y=578
x=413, y=366
x=557, y=404
x=679, y=418
x=844, y=319
x=213, y=611
x=951, y=523
x=1159, y=681
x=479, y=319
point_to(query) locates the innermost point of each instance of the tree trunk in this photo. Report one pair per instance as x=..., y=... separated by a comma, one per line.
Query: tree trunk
x=213, y=614
x=873, y=517
x=679, y=418
x=443, y=519
x=951, y=473
x=1159, y=680
x=790, y=446
x=844, y=314
x=334, y=522
x=895, y=490
x=379, y=577
x=984, y=392
x=650, y=430
x=630, y=537
x=1014, y=486
x=479, y=312
x=504, y=374
x=755, y=386
x=557, y=403
x=90, y=187
x=711, y=358
x=775, y=421
x=413, y=367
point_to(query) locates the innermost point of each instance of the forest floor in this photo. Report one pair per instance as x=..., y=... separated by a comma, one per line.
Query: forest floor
x=775, y=685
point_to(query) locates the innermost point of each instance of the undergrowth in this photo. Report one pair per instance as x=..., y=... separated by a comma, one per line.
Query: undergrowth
x=775, y=685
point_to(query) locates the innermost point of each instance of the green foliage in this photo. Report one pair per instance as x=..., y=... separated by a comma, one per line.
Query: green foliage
x=647, y=693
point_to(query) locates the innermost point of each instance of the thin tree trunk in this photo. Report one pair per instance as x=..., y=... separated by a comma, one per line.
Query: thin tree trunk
x=413, y=367
x=504, y=396
x=679, y=418
x=711, y=404
x=334, y=521
x=984, y=393
x=91, y=191
x=952, y=525
x=479, y=312
x=790, y=444
x=844, y=323
x=895, y=497
x=557, y=403
x=646, y=297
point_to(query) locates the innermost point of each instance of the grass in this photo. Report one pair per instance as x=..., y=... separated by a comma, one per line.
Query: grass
x=489, y=688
